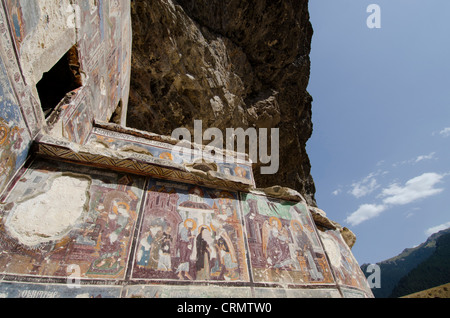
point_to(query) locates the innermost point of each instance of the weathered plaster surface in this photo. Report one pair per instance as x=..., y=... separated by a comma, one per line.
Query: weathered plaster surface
x=174, y=239
x=52, y=214
x=14, y=135
x=34, y=36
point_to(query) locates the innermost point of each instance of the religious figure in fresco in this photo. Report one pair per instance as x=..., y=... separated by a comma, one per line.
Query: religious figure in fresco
x=240, y=172
x=226, y=206
x=185, y=246
x=10, y=143
x=228, y=258
x=3, y=133
x=345, y=267
x=283, y=244
x=115, y=226
x=150, y=247
x=195, y=235
x=165, y=262
x=205, y=254
x=304, y=251
x=155, y=247
x=276, y=244
x=166, y=156
x=143, y=256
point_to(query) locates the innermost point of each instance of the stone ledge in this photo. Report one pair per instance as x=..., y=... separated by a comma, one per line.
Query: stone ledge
x=136, y=163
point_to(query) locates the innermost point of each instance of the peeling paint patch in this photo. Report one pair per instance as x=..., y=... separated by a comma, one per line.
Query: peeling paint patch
x=51, y=215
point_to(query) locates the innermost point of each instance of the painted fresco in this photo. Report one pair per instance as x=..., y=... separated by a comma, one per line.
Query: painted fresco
x=8, y=52
x=121, y=142
x=284, y=246
x=50, y=291
x=353, y=293
x=113, y=79
x=114, y=58
x=93, y=51
x=97, y=91
x=14, y=136
x=23, y=16
x=125, y=70
x=190, y=233
x=104, y=44
x=91, y=34
x=98, y=242
x=105, y=48
x=296, y=293
x=345, y=267
x=78, y=117
x=210, y=291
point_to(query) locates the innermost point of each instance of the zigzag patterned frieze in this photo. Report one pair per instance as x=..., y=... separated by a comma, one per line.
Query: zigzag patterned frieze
x=132, y=165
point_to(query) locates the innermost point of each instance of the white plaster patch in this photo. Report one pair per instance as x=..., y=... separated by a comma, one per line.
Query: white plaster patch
x=332, y=250
x=52, y=214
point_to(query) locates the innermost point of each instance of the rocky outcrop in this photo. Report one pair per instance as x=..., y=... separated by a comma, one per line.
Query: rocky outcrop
x=230, y=64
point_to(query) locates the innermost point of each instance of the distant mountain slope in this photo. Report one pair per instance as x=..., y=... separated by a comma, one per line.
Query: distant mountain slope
x=432, y=272
x=396, y=268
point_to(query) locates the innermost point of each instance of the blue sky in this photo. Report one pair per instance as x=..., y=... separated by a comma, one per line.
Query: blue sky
x=380, y=151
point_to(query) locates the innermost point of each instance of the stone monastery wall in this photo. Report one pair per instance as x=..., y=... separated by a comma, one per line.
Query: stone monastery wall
x=115, y=212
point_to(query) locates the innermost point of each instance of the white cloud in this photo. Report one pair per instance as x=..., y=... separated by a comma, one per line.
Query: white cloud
x=437, y=228
x=380, y=163
x=425, y=157
x=364, y=213
x=445, y=132
x=365, y=186
x=417, y=188
x=337, y=192
x=414, y=189
x=415, y=160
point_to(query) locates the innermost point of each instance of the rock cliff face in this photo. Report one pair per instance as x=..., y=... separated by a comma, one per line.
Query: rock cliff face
x=231, y=64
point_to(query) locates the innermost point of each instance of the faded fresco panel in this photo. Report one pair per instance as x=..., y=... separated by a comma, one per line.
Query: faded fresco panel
x=14, y=136
x=92, y=55
x=343, y=263
x=49, y=291
x=296, y=293
x=22, y=92
x=148, y=291
x=77, y=121
x=91, y=33
x=190, y=233
x=23, y=16
x=353, y=293
x=59, y=215
x=283, y=243
x=103, y=138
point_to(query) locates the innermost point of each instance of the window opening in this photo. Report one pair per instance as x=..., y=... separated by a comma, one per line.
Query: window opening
x=64, y=77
